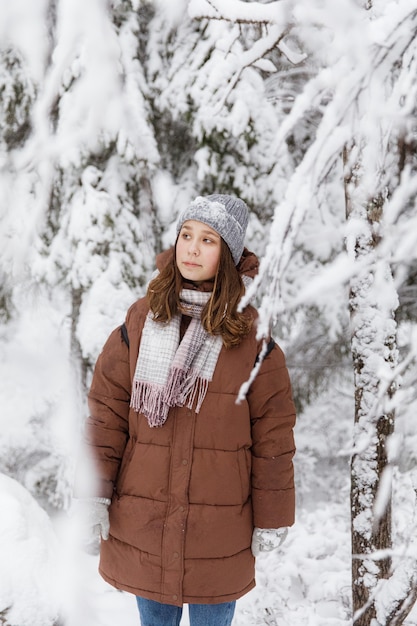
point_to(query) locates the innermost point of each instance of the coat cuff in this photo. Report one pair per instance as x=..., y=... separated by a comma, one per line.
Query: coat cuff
x=273, y=508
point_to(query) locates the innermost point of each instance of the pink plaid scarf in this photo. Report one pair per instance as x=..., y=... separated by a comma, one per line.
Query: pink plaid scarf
x=170, y=372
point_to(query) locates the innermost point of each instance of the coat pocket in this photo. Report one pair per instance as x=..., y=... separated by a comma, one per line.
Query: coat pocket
x=245, y=461
x=147, y=472
x=127, y=456
x=219, y=477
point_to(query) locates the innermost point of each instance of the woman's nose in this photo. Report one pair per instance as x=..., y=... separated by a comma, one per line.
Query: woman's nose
x=193, y=249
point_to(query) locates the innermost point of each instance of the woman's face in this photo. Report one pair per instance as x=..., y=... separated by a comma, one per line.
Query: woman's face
x=197, y=252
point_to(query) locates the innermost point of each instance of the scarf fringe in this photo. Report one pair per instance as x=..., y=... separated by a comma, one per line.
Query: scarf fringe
x=185, y=388
x=147, y=398
x=177, y=378
x=154, y=402
x=198, y=394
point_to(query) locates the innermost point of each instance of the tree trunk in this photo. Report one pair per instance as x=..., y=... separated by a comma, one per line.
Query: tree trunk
x=79, y=363
x=374, y=355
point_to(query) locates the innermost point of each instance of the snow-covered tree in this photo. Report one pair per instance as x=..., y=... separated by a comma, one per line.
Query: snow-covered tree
x=114, y=114
x=364, y=87
x=17, y=93
x=100, y=231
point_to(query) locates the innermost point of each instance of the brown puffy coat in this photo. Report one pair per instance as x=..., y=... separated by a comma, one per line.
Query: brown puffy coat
x=186, y=496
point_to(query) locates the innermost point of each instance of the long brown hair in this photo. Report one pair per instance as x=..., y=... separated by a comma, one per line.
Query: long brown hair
x=220, y=315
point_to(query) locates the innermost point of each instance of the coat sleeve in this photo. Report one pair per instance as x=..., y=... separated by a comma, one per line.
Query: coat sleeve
x=272, y=420
x=106, y=428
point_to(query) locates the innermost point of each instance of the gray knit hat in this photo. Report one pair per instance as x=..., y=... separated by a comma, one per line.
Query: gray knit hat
x=227, y=215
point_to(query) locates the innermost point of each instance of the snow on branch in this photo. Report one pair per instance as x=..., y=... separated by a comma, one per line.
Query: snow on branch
x=274, y=14
x=252, y=56
x=240, y=12
x=343, y=92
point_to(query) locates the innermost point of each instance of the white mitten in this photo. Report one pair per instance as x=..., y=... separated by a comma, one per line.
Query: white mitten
x=267, y=539
x=97, y=516
x=94, y=518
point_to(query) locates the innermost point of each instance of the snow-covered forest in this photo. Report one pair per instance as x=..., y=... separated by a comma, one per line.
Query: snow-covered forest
x=114, y=114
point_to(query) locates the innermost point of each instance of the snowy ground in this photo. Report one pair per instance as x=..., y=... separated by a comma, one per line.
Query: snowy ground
x=43, y=569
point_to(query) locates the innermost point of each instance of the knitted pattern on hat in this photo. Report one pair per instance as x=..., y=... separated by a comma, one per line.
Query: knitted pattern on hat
x=227, y=215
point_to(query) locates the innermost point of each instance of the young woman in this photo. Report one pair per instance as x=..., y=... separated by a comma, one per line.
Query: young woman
x=191, y=483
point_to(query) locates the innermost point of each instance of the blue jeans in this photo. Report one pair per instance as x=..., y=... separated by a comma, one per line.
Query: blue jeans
x=156, y=614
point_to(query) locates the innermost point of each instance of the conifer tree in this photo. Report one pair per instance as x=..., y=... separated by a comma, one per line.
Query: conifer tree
x=17, y=93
